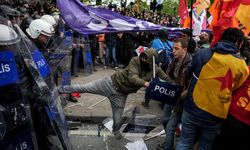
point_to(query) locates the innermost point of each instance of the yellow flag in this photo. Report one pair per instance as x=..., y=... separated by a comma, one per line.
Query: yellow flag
x=201, y=5
x=243, y=15
x=218, y=78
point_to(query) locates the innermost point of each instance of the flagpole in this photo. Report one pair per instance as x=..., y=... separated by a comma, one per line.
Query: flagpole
x=191, y=26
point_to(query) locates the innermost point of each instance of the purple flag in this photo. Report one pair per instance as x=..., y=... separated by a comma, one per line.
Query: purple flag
x=89, y=20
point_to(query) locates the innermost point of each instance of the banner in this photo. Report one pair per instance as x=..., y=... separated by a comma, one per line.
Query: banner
x=199, y=21
x=90, y=20
x=201, y=5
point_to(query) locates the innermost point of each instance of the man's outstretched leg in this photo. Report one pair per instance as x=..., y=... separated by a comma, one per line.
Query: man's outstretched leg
x=100, y=87
x=104, y=87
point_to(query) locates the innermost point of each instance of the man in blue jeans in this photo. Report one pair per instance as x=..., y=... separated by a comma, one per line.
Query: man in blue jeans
x=216, y=72
x=110, y=41
x=177, y=70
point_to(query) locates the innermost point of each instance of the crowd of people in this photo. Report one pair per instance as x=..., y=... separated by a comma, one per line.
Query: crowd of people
x=154, y=17
x=213, y=108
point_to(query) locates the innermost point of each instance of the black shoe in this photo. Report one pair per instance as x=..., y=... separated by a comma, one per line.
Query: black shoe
x=118, y=135
x=100, y=61
x=73, y=99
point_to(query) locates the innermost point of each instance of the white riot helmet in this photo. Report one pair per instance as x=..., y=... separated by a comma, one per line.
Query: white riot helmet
x=8, y=36
x=38, y=27
x=51, y=20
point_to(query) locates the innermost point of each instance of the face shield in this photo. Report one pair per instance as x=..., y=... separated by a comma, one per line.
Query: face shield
x=41, y=31
x=49, y=37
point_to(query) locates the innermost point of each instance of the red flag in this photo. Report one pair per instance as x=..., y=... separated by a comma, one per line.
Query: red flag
x=183, y=10
x=226, y=13
x=140, y=50
x=240, y=105
x=186, y=23
x=214, y=11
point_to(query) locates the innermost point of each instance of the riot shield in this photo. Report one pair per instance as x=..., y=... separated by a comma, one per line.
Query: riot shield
x=39, y=69
x=16, y=126
x=87, y=57
x=60, y=62
x=59, y=50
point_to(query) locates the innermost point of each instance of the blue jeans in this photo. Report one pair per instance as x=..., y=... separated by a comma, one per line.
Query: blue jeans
x=193, y=126
x=75, y=61
x=109, y=51
x=166, y=114
x=173, y=121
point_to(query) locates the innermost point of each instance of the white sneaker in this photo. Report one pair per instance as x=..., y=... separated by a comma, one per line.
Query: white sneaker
x=105, y=67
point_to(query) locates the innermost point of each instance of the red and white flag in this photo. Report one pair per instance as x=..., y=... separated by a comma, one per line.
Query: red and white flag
x=140, y=50
x=183, y=11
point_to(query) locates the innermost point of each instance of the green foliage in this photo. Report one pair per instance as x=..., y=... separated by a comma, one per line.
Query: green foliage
x=170, y=6
x=144, y=6
x=106, y=2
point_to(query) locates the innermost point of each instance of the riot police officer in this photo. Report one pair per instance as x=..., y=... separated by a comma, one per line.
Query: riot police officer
x=40, y=32
x=16, y=125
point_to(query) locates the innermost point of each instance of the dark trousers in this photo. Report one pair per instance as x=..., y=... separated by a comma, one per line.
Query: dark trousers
x=234, y=135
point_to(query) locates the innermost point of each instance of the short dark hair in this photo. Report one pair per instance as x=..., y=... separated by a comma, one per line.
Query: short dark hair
x=233, y=35
x=210, y=34
x=245, y=50
x=183, y=41
x=163, y=34
x=187, y=32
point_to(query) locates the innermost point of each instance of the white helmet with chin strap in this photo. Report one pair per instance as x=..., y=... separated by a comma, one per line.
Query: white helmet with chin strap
x=39, y=26
x=51, y=20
